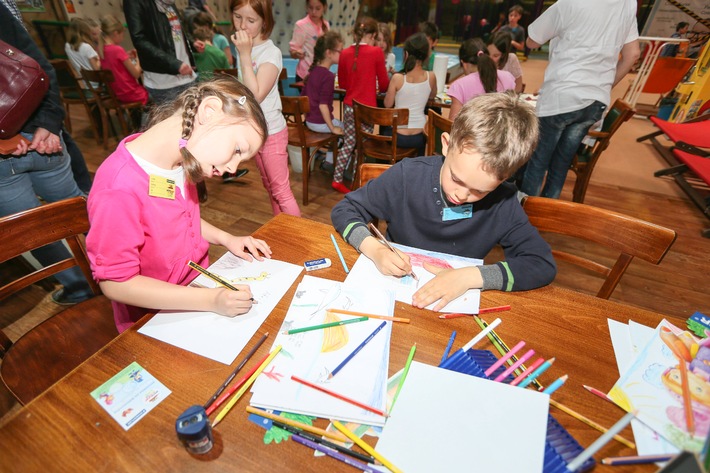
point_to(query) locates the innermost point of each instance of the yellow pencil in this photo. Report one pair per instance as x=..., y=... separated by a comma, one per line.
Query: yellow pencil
x=364, y=314
x=590, y=422
x=362, y=444
x=299, y=425
x=243, y=389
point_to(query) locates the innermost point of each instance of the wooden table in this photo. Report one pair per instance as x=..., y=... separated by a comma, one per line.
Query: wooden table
x=64, y=429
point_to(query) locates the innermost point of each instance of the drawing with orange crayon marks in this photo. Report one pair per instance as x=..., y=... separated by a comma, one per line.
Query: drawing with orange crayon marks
x=364, y=272
x=312, y=355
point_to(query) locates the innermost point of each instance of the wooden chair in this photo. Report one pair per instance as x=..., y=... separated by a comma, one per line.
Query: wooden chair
x=283, y=75
x=371, y=145
x=367, y=172
x=108, y=101
x=72, y=93
x=295, y=109
x=587, y=156
x=436, y=125
x=630, y=236
x=55, y=347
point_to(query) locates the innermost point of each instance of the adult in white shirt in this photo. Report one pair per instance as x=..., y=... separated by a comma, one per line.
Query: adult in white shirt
x=592, y=47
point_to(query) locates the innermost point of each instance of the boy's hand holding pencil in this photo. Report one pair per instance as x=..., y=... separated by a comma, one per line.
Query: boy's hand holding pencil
x=389, y=262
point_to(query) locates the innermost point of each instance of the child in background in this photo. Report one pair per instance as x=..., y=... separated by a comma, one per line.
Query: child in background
x=361, y=71
x=260, y=63
x=499, y=49
x=320, y=84
x=126, y=72
x=458, y=204
x=204, y=21
x=210, y=58
x=144, y=211
x=305, y=33
x=481, y=76
x=516, y=31
x=79, y=49
x=384, y=41
x=433, y=34
x=411, y=89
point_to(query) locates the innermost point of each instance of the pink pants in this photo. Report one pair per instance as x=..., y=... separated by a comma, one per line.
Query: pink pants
x=272, y=162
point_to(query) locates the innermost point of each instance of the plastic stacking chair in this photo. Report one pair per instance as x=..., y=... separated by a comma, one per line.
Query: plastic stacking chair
x=631, y=237
x=587, y=156
x=72, y=93
x=55, y=347
x=436, y=125
x=379, y=147
x=295, y=109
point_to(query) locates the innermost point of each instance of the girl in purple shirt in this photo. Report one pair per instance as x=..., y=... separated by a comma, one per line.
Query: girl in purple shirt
x=144, y=206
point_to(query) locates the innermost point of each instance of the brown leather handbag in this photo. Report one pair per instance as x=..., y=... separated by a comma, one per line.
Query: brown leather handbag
x=23, y=84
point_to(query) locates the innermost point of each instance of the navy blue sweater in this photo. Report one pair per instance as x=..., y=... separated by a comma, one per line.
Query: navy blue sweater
x=408, y=198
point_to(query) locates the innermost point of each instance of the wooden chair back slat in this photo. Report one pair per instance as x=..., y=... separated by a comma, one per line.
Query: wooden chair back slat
x=436, y=125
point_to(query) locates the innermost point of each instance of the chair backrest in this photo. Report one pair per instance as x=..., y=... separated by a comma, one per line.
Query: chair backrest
x=366, y=115
x=436, y=125
x=666, y=73
x=99, y=83
x=619, y=113
x=283, y=75
x=67, y=80
x=31, y=229
x=294, y=110
x=369, y=171
x=630, y=236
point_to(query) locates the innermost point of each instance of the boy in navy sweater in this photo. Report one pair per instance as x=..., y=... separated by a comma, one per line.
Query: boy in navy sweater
x=458, y=204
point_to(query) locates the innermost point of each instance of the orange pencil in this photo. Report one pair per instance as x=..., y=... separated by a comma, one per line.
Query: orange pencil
x=372, y=316
x=339, y=396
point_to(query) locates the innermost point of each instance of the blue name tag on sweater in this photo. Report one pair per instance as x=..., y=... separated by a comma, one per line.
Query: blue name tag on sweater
x=457, y=213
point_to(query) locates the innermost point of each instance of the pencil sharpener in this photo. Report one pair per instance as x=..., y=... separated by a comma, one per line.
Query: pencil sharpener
x=194, y=430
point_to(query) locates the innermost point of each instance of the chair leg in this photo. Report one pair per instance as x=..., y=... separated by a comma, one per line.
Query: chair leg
x=580, y=187
x=305, y=172
x=94, y=127
x=105, y=120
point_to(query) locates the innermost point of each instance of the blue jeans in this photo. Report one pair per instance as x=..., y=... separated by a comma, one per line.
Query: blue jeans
x=560, y=136
x=24, y=178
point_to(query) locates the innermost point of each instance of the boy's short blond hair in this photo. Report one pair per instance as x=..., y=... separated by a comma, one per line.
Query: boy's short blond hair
x=501, y=127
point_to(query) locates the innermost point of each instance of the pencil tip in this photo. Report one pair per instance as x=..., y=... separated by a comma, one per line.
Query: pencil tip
x=215, y=423
x=266, y=334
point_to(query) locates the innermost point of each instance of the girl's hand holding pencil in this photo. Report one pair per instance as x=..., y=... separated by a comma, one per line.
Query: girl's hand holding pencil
x=232, y=303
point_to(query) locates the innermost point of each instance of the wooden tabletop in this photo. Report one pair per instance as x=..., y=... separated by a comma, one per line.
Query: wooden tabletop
x=64, y=429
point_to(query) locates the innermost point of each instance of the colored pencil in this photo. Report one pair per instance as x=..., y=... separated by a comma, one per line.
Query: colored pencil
x=555, y=385
x=596, y=392
x=365, y=314
x=447, y=350
x=514, y=366
x=215, y=277
x=232, y=389
x=295, y=423
x=361, y=443
x=589, y=422
x=504, y=358
x=687, y=402
x=356, y=350
x=486, y=310
x=481, y=334
x=322, y=326
x=384, y=241
x=225, y=410
x=333, y=453
x=541, y=369
x=322, y=441
x=379, y=412
x=404, y=374
x=340, y=255
x=601, y=441
x=527, y=371
x=233, y=374
x=636, y=459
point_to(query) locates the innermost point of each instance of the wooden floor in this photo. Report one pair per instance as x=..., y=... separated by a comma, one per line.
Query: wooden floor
x=677, y=287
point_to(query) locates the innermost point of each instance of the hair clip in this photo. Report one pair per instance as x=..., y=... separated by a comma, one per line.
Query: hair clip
x=480, y=53
x=182, y=143
x=242, y=100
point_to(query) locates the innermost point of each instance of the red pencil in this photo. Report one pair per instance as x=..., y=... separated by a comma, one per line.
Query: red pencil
x=339, y=396
x=486, y=310
x=228, y=392
x=596, y=392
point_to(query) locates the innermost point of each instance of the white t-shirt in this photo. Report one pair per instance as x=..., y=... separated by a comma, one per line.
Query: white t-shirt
x=158, y=81
x=81, y=59
x=586, y=38
x=265, y=53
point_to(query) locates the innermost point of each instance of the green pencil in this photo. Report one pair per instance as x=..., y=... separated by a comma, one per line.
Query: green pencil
x=404, y=374
x=321, y=326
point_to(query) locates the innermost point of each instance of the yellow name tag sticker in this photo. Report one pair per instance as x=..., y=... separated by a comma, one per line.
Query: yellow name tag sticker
x=161, y=187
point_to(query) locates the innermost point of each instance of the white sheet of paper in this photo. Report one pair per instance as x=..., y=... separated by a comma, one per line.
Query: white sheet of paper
x=449, y=421
x=365, y=273
x=218, y=337
x=313, y=355
x=628, y=341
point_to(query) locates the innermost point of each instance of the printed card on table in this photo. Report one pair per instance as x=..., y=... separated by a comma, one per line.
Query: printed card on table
x=130, y=395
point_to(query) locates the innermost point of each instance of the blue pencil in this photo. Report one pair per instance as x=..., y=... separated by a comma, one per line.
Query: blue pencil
x=340, y=255
x=355, y=351
x=448, y=346
x=531, y=377
x=555, y=385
